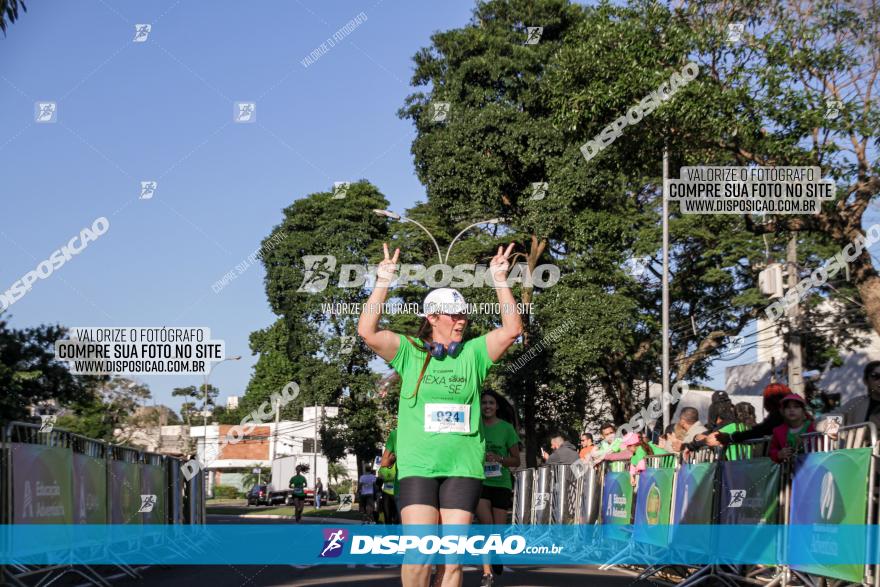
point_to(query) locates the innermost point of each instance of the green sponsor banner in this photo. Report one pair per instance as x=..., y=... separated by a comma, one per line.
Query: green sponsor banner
x=653, y=504
x=153, y=494
x=617, y=500
x=830, y=489
x=694, y=492
x=125, y=492
x=749, y=491
x=89, y=490
x=41, y=484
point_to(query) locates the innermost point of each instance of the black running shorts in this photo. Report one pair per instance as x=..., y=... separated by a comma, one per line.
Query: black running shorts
x=500, y=497
x=454, y=493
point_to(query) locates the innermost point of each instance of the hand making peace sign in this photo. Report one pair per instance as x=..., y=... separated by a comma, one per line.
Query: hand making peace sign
x=499, y=265
x=387, y=270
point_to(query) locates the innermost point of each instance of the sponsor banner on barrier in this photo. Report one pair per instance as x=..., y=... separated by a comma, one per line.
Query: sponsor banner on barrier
x=125, y=493
x=749, y=491
x=41, y=484
x=89, y=490
x=830, y=490
x=152, y=494
x=617, y=497
x=694, y=493
x=354, y=544
x=653, y=505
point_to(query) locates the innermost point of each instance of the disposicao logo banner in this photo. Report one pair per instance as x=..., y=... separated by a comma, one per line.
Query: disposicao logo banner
x=308, y=544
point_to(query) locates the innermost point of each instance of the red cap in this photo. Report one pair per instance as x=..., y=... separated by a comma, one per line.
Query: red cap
x=776, y=389
x=793, y=397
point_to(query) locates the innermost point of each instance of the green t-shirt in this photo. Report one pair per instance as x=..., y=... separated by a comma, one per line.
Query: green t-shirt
x=390, y=483
x=298, y=482
x=500, y=438
x=449, y=441
x=745, y=452
x=641, y=453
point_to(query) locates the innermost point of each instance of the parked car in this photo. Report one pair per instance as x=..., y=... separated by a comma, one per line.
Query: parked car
x=285, y=496
x=258, y=495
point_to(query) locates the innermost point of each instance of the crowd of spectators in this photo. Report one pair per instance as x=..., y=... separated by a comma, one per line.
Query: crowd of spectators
x=786, y=416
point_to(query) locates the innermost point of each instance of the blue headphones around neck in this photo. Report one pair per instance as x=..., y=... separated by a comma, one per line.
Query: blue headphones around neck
x=438, y=350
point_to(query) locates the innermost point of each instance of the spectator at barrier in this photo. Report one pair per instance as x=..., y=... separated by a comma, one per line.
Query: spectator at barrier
x=586, y=446
x=643, y=448
x=695, y=431
x=773, y=395
x=745, y=414
x=720, y=399
x=726, y=422
x=665, y=441
x=786, y=442
x=865, y=408
x=611, y=448
x=563, y=453
x=319, y=489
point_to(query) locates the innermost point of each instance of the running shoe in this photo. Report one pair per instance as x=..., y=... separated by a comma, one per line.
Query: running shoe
x=488, y=581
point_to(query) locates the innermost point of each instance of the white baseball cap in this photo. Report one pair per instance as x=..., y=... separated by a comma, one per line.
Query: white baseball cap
x=444, y=300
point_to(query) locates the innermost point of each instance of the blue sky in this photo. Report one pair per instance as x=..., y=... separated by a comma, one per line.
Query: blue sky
x=163, y=110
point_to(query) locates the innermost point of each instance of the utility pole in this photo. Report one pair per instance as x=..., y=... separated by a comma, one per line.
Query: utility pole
x=795, y=350
x=664, y=401
x=315, y=446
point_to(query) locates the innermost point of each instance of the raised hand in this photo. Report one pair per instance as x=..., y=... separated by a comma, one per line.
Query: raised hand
x=387, y=270
x=500, y=264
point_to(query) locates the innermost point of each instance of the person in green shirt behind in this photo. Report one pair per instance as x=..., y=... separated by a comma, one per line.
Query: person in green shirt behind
x=440, y=446
x=388, y=473
x=298, y=484
x=502, y=452
x=643, y=448
x=727, y=422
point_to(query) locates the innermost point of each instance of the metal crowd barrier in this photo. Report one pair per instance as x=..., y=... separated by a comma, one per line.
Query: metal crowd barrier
x=97, y=483
x=703, y=494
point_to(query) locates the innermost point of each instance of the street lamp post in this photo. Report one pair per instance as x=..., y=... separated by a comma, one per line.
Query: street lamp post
x=490, y=221
x=205, y=409
x=395, y=216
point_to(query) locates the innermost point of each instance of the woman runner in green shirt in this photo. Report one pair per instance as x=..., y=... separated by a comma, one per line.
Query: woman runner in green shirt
x=440, y=444
x=502, y=452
